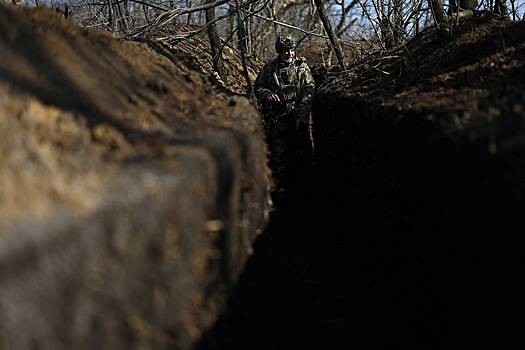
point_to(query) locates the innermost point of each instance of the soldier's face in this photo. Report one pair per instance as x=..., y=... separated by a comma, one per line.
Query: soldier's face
x=287, y=55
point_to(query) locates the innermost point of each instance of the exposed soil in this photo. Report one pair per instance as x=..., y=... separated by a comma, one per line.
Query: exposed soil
x=132, y=184
x=475, y=71
x=195, y=52
x=425, y=149
x=129, y=100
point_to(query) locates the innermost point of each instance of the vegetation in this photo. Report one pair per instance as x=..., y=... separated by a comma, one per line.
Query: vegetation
x=252, y=25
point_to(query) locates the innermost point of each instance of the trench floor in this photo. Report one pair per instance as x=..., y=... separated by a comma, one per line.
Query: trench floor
x=313, y=283
x=333, y=271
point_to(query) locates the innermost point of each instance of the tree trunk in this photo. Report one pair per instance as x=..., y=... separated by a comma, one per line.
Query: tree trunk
x=241, y=29
x=146, y=16
x=417, y=15
x=111, y=16
x=231, y=19
x=398, y=30
x=215, y=41
x=274, y=17
x=243, y=51
x=249, y=31
x=330, y=32
x=123, y=20
x=188, y=21
x=437, y=11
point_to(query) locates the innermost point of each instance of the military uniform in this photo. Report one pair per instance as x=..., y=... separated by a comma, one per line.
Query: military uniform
x=287, y=122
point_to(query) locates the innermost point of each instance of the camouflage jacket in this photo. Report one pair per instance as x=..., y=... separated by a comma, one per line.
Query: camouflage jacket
x=294, y=84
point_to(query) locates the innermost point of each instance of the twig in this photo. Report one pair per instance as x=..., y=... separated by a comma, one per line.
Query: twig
x=372, y=21
x=94, y=17
x=283, y=24
x=136, y=1
x=380, y=70
x=226, y=42
x=168, y=16
x=263, y=6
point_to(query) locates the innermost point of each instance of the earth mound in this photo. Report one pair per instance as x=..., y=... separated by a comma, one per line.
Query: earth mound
x=474, y=71
x=132, y=184
x=421, y=153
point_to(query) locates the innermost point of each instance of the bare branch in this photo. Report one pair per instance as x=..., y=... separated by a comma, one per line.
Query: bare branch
x=283, y=24
x=135, y=1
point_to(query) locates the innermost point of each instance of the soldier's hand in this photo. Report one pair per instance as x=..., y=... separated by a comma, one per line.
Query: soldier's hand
x=272, y=96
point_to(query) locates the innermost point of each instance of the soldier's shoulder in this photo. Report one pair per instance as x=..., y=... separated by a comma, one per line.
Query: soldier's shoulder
x=301, y=62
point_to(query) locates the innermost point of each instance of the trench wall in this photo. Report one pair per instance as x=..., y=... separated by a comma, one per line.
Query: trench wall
x=132, y=187
x=427, y=224
x=149, y=268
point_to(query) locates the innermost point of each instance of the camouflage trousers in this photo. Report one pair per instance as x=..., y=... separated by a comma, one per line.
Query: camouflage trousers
x=290, y=156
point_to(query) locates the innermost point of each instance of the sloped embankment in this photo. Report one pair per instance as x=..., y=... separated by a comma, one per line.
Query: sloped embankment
x=421, y=158
x=131, y=189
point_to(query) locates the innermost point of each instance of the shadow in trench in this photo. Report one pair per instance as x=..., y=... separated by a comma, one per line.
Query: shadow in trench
x=339, y=263
x=288, y=295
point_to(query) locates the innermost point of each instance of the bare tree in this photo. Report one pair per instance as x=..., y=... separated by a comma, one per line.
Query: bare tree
x=243, y=50
x=438, y=12
x=345, y=10
x=330, y=32
x=215, y=41
x=255, y=23
x=398, y=28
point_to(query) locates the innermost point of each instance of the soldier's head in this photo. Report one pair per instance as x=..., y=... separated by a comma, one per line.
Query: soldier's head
x=285, y=47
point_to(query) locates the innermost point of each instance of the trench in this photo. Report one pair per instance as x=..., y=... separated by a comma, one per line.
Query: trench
x=403, y=237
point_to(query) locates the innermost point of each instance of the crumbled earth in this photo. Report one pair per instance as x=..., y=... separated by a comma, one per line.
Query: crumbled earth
x=132, y=184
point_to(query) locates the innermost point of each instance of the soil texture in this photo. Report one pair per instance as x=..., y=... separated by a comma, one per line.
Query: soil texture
x=132, y=184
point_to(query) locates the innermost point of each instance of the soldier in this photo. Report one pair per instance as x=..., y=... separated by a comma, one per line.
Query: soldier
x=285, y=89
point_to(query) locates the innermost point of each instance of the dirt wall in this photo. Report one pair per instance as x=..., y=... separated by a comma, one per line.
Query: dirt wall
x=421, y=164
x=132, y=186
